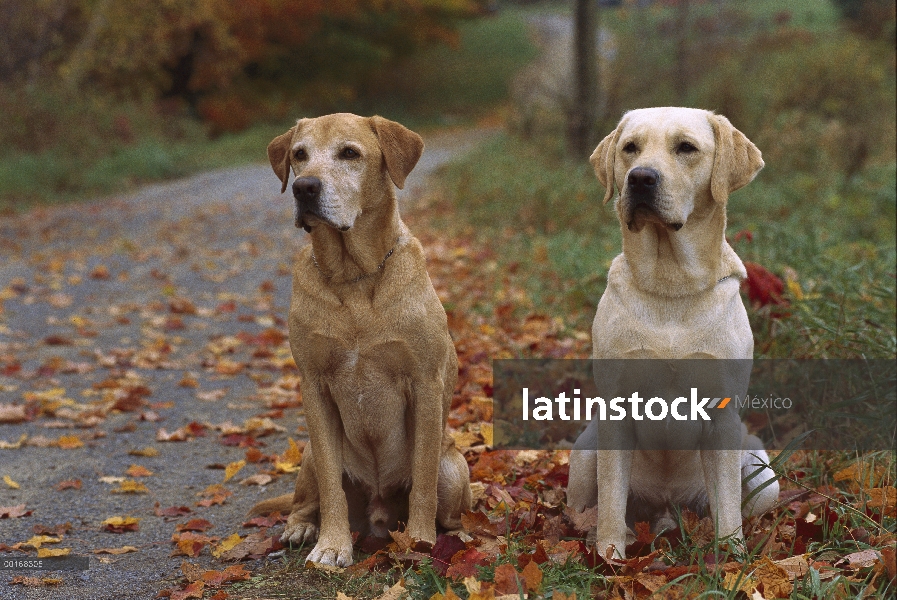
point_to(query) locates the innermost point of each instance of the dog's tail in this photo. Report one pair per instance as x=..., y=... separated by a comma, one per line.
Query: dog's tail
x=282, y=504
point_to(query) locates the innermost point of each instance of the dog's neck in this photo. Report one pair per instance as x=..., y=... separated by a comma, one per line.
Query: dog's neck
x=351, y=256
x=679, y=263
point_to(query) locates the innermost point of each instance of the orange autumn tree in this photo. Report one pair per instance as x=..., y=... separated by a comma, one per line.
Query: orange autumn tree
x=227, y=60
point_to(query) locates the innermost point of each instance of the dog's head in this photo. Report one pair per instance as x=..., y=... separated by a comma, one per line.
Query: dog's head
x=343, y=165
x=667, y=162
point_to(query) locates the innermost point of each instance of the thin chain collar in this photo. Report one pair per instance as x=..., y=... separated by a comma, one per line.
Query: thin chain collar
x=360, y=277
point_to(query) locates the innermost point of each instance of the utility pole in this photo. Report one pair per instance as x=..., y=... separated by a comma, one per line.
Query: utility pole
x=581, y=123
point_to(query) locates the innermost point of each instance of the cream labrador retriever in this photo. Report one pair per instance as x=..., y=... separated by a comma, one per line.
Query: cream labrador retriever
x=371, y=341
x=673, y=293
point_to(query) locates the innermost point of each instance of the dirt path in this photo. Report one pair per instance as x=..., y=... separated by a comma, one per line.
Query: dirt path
x=126, y=316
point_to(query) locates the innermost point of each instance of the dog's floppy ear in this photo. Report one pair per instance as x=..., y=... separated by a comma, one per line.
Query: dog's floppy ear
x=400, y=146
x=279, y=155
x=602, y=160
x=736, y=161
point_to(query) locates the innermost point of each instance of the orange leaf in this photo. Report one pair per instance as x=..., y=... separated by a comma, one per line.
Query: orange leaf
x=506, y=579
x=69, y=442
x=138, y=471
x=532, y=576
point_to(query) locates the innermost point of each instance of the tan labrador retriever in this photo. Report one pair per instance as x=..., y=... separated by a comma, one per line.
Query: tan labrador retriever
x=672, y=294
x=371, y=341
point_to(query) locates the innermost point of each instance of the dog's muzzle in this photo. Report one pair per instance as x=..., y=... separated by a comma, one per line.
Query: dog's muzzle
x=307, y=192
x=642, y=186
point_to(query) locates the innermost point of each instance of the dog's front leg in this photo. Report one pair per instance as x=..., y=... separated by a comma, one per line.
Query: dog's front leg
x=334, y=545
x=613, y=476
x=722, y=476
x=428, y=425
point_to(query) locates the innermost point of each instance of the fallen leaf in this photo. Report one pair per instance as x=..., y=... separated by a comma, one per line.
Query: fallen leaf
x=884, y=499
x=12, y=413
x=55, y=531
x=8, y=481
x=74, y=484
x=13, y=512
x=859, y=560
x=218, y=578
x=191, y=590
x=253, y=545
x=226, y=544
x=582, y=521
x=795, y=566
x=38, y=540
x=138, y=471
x=172, y=511
x=532, y=576
x=69, y=442
x=258, y=479
x=148, y=451
x=194, y=525
x=50, y=552
x=233, y=468
x=394, y=593
x=774, y=578
x=507, y=580
x=737, y=582
x=121, y=524
x=129, y=486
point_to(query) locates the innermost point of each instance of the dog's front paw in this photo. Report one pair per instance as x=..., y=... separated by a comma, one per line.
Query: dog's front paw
x=328, y=552
x=299, y=532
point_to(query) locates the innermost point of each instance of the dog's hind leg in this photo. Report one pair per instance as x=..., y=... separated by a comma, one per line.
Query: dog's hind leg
x=453, y=486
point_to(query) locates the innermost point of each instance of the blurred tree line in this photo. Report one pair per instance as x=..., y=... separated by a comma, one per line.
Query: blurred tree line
x=227, y=62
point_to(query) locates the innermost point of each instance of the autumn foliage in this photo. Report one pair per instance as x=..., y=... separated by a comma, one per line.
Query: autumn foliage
x=228, y=62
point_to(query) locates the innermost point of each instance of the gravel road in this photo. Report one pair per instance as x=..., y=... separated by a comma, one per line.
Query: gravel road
x=127, y=315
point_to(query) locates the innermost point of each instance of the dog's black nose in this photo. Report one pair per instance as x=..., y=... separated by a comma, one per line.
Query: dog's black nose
x=307, y=189
x=642, y=180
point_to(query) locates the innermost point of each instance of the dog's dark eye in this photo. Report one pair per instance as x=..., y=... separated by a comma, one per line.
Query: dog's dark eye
x=686, y=148
x=349, y=153
x=300, y=154
x=630, y=148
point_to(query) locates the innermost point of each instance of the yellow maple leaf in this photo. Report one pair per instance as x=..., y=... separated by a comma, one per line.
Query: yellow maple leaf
x=8, y=481
x=129, y=486
x=233, y=468
x=226, y=544
x=286, y=467
x=293, y=454
x=48, y=552
x=37, y=540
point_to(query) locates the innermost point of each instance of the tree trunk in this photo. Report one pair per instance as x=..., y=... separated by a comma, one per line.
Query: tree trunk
x=682, y=52
x=581, y=125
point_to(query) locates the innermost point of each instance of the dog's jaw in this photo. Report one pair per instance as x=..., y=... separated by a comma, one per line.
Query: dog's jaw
x=642, y=214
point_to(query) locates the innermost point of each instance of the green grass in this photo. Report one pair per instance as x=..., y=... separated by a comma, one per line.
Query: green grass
x=55, y=176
